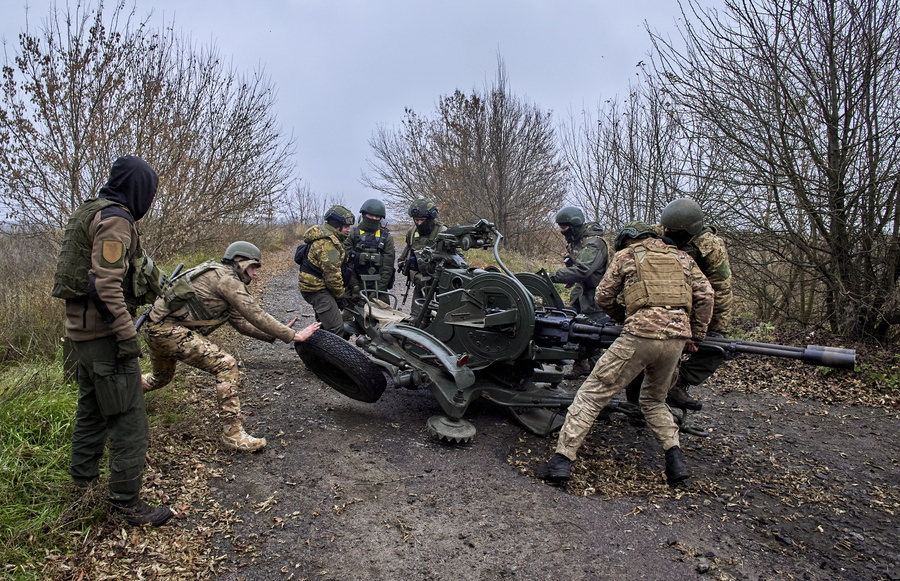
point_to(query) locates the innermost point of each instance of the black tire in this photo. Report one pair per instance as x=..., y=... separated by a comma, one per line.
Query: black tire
x=342, y=366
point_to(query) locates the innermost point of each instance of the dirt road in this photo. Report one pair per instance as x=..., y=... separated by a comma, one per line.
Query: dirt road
x=783, y=488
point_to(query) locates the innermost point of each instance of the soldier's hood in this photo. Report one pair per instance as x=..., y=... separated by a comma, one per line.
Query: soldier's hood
x=592, y=229
x=587, y=229
x=132, y=183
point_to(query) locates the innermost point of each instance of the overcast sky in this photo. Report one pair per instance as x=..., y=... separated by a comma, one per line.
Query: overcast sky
x=342, y=68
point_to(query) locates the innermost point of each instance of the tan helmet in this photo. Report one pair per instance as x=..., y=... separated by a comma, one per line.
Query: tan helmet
x=241, y=249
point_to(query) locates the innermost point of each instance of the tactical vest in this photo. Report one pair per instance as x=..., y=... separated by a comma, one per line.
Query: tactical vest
x=71, y=278
x=368, y=253
x=660, y=280
x=201, y=319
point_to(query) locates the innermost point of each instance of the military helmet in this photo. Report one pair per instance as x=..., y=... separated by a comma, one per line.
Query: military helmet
x=570, y=215
x=423, y=208
x=683, y=214
x=373, y=207
x=243, y=250
x=634, y=230
x=338, y=216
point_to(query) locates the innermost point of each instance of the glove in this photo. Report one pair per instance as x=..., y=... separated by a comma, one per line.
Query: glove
x=553, y=278
x=129, y=349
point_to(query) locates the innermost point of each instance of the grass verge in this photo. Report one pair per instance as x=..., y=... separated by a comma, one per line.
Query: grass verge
x=38, y=509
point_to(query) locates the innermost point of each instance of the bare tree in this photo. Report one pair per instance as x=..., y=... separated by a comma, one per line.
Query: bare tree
x=487, y=155
x=801, y=99
x=90, y=87
x=305, y=207
x=631, y=157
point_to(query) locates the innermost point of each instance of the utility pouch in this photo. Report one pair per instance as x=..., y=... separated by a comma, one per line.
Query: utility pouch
x=177, y=293
x=115, y=394
x=146, y=279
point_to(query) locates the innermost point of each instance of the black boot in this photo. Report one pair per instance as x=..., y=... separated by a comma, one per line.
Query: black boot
x=142, y=513
x=558, y=468
x=676, y=471
x=678, y=398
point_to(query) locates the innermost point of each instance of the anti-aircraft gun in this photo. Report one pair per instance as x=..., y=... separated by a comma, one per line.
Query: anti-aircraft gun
x=484, y=333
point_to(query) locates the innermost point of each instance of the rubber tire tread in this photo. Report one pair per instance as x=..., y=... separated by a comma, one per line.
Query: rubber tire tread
x=342, y=366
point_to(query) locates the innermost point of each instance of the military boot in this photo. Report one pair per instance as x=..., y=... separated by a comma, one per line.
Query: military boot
x=234, y=437
x=580, y=368
x=558, y=468
x=141, y=513
x=678, y=398
x=676, y=471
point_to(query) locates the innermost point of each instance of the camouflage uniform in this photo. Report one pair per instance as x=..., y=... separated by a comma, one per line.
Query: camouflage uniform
x=178, y=336
x=585, y=266
x=100, y=249
x=326, y=290
x=710, y=254
x=652, y=340
x=407, y=263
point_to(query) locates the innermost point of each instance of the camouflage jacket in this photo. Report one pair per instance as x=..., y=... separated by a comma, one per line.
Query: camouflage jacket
x=710, y=254
x=656, y=322
x=326, y=252
x=224, y=296
x=360, y=243
x=415, y=241
x=585, y=265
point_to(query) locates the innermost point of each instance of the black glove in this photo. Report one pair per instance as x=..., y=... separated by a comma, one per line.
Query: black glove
x=553, y=278
x=129, y=349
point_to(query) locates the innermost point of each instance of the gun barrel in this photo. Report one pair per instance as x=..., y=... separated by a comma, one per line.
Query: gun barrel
x=836, y=357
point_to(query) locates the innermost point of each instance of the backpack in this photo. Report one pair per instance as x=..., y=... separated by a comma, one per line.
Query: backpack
x=301, y=253
x=301, y=257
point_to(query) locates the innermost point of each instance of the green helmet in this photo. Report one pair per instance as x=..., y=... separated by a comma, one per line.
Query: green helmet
x=683, y=214
x=243, y=250
x=423, y=208
x=338, y=216
x=634, y=230
x=570, y=215
x=373, y=207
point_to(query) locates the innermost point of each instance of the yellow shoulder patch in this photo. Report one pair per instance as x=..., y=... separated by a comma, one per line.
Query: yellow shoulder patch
x=112, y=252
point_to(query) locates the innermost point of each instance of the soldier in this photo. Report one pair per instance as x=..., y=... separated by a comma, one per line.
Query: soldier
x=667, y=306
x=101, y=256
x=320, y=280
x=177, y=331
x=370, y=252
x=423, y=232
x=682, y=222
x=585, y=264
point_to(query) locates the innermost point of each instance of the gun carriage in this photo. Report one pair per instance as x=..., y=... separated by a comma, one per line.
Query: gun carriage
x=484, y=333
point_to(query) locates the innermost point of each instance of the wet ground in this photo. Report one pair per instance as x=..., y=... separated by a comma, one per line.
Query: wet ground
x=783, y=487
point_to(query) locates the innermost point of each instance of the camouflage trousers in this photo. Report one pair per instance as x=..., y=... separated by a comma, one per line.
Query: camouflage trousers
x=170, y=344
x=625, y=358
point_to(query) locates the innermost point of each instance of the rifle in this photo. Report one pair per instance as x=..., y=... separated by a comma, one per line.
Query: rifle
x=406, y=269
x=165, y=282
